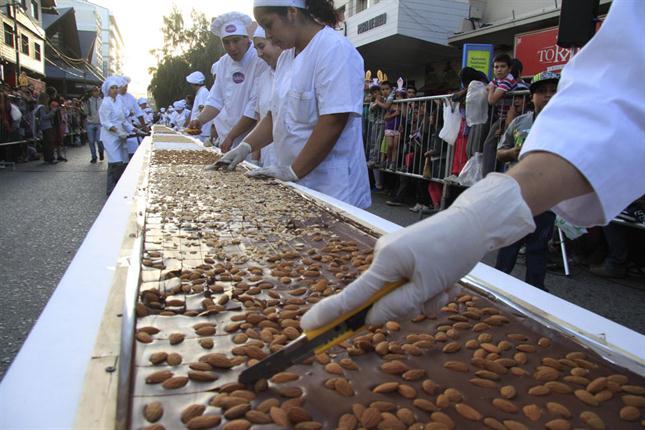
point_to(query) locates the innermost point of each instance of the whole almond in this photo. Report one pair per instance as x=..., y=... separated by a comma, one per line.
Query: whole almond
x=370, y=417
x=532, y=412
x=586, y=397
x=191, y=412
x=632, y=400
x=283, y=377
x=175, y=382
x=143, y=337
x=200, y=376
x=505, y=405
x=484, y=383
x=468, y=412
x=508, y=391
x=158, y=377
x=297, y=415
x=442, y=418
x=540, y=390
x=206, y=343
x=578, y=380
x=343, y=387
x=546, y=374
x=416, y=374
x=308, y=425
x=386, y=387
x=279, y=416
x=174, y=359
x=205, y=331
x=430, y=426
x=557, y=409
x=334, y=368
x=630, y=413
x=347, y=422
x=487, y=374
x=457, y=366
x=204, y=422
x=176, y=338
x=289, y=392
x=443, y=401
x=424, y=405
x=406, y=416
x=633, y=389
x=407, y=391
x=558, y=387
x=558, y=424
x=219, y=361
x=157, y=358
x=515, y=425
x=266, y=405
x=257, y=417
x=394, y=367
x=494, y=424
x=597, y=385
x=240, y=424
x=428, y=386
x=451, y=347
x=153, y=411
x=237, y=411
x=592, y=420
x=618, y=379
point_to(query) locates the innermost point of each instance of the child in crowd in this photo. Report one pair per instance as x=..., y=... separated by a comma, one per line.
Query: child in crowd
x=503, y=82
x=392, y=131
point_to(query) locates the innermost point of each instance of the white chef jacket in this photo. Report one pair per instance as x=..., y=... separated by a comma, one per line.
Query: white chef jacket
x=325, y=78
x=596, y=121
x=200, y=100
x=132, y=111
x=231, y=92
x=112, y=114
x=179, y=119
x=262, y=95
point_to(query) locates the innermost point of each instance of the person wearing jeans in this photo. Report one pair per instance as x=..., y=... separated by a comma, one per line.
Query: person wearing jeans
x=91, y=109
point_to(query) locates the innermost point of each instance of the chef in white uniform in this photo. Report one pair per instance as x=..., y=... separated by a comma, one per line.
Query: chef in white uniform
x=263, y=87
x=229, y=101
x=315, y=121
x=115, y=128
x=198, y=81
x=181, y=114
x=584, y=159
x=133, y=112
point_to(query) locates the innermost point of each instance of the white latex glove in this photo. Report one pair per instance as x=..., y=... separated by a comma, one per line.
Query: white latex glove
x=122, y=135
x=433, y=254
x=284, y=173
x=232, y=158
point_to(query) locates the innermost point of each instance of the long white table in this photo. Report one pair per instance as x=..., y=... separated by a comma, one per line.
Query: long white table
x=43, y=386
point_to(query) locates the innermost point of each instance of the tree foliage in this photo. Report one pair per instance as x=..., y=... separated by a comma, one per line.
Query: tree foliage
x=185, y=49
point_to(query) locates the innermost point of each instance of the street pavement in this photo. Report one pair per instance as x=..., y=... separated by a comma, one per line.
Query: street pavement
x=47, y=211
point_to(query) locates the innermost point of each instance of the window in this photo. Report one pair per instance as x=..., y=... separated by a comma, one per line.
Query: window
x=23, y=3
x=24, y=44
x=35, y=12
x=8, y=35
x=37, y=53
x=361, y=5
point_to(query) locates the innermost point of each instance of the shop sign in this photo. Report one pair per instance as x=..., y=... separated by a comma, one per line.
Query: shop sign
x=479, y=57
x=377, y=21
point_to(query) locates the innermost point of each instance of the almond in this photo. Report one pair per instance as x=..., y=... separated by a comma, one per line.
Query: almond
x=343, y=387
x=280, y=378
x=279, y=416
x=484, y=383
x=451, y=347
x=176, y=338
x=545, y=374
x=191, y=412
x=457, y=366
x=442, y=418
x=632, y=400
x=174, y=359
x=453, y=395
x=203, y=422
x=144, y=337
x=394, y=367
x=557, y=409
x=199, y=376
x=597, y=385
x=237, y=425
x=205, y=331
x=544, y=342
x=618, y=379
x=266, y=405
x=586, y=397
x=158, y=377
x=578, y=380
x=494, y=424
x=175, y=382
x=157, y=358
x=206, y=343
x=406, y=416
x=347, y=422
x=515, y=425
x=592, y=420
x=505, y=405
x=415, y=374
x=628, y=413
x=153, y=411
x=290, y=392
x=386, y=387
x=558, y=424
x=432, y=426
x=428, y=386
x=370, y=417
x=334, y=368
x=443, y=401
x=540, y=390
x=508, y=391
x=424, y=405
x=558, y=387
x=237, y=411
x=468, y=412
x=532, y=412
x=407, y=391
x=297, y=415
x=308, y=425
x=219, y=360
x=633, y=389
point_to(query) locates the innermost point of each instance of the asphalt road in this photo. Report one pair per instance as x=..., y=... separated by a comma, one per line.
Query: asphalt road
x=47, y=211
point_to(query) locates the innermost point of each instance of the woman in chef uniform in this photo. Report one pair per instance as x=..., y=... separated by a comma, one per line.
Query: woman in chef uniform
x=115, y=128
x=584, y=158
x=198, y=82
x=315, y=119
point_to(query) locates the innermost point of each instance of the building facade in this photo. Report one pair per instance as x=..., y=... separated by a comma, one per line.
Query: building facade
x=25, y=16
x=109, y=58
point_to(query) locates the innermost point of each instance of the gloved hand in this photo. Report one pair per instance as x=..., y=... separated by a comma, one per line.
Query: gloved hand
x=433, y=254
x=284, y=173
x=232, y=158
x=122, y=134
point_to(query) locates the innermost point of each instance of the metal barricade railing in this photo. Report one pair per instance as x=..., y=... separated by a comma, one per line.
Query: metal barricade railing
x=397, y=139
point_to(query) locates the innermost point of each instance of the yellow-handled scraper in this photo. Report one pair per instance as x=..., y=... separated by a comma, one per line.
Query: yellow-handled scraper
x=316, y=341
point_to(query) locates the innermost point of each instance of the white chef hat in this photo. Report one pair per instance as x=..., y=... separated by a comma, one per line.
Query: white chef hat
x=280, y=3
x=215, y=68
x=142, y=101
x=112, y=81
x=231, y=24
x=127, y=80
x=148, y=110
x=179, y=104
x=259, y=32
x=196, y=78
x=162, y=110
x=171, y=109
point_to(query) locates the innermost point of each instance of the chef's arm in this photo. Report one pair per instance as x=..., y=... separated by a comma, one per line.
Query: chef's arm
x=243, y=125
x=206, y=115
x=262, y=134
x=547, y=179
x=322, y=140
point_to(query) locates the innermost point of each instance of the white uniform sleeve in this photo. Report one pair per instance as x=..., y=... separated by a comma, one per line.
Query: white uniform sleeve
x=104, y=114
x=137, y=109
x=339, y=80
x=251, y=109
x=596, y=121
x=216, y=96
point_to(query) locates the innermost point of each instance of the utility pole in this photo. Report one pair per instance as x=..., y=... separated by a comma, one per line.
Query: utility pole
x=16, y=38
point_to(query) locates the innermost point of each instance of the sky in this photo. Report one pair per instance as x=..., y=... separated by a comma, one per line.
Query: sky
x=140, y=23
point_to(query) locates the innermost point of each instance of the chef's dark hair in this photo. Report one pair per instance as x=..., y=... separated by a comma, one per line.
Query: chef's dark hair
x=319, y=10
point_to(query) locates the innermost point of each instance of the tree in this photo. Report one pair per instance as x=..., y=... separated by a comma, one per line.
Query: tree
x=185, y=50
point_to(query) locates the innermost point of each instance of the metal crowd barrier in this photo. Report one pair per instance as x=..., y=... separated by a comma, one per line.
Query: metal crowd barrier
x=397, y=141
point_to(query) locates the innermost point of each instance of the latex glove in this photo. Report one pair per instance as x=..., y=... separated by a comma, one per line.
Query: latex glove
x=284, y=173
x=232, y=158
x=433, y=254
x=122, y=135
